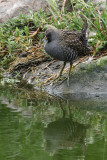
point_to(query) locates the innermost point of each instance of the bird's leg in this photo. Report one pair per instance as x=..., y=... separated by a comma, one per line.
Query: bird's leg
x=60, y=73
x=69, y=73
x=62, y=69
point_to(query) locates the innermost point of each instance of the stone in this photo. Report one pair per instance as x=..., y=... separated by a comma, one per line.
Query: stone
x=88, y=81
x=12, y=8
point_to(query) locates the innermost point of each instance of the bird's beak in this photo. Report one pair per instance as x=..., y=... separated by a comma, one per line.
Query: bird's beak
x=44, y=41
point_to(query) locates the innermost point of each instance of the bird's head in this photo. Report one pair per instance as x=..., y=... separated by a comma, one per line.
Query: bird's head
x=51, y=34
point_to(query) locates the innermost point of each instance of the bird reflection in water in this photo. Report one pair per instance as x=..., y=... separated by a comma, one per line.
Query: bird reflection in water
x=64, y=134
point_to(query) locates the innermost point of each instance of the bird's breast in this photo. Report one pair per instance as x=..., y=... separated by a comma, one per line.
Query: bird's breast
x=54, y=50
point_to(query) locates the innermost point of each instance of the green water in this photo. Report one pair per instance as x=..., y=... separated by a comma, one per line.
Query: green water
x=42, y=128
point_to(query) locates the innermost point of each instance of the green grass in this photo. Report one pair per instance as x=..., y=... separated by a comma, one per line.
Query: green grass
x=15, y=34
x=97, y=20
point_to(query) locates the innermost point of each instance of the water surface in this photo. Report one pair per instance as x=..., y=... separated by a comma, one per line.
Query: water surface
x=43, y=128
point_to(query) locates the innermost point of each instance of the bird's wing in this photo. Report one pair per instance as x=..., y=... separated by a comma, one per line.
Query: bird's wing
x=72, y=39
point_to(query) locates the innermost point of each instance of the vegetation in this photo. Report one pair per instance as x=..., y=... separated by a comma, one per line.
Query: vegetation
x=18, y=34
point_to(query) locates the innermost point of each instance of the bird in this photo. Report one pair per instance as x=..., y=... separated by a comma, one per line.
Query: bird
x=67, y=45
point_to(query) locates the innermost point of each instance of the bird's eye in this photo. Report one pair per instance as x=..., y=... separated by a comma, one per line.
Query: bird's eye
x=48, y=34
x=49, y=37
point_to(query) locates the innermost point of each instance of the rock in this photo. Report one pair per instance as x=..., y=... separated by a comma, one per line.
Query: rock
x=12, y=8
x=89, y=80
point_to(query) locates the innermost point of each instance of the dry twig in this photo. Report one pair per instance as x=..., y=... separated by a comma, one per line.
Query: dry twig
x=35, y=33
x=63, y=6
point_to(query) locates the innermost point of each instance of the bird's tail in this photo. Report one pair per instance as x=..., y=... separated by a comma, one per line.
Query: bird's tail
x=85, y=25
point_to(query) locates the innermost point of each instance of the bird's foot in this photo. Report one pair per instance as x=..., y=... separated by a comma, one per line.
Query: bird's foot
x=59, y=80
x=68, y=81
x=49, y=79
x=58, y=77
x=53, y=79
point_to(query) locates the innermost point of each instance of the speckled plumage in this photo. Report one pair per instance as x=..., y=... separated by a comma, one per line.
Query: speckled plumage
x=67, y=45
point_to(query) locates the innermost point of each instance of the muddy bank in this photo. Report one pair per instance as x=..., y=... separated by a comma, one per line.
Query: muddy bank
x=88, y=78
